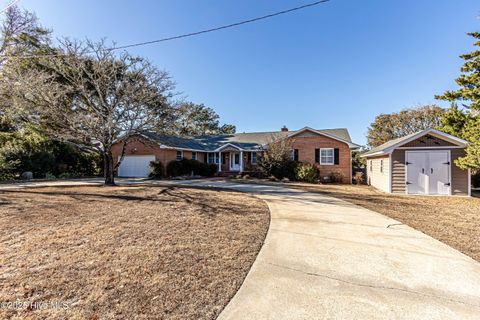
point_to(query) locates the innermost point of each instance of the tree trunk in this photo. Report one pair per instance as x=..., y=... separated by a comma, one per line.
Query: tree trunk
x=109, y=171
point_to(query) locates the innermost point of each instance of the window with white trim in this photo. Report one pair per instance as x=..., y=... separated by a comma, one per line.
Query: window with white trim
x=179, y=155
x=327, y=156
x=295, y=154
x=194, y=155
x=253, y=157
x=213, y=157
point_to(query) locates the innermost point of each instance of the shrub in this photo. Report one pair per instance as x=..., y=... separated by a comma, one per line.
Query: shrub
x=205, y=169
x=277, y=160
x=307, y=172
x=69, y=175
x=50, y=176
x=158, y=170
x=336, y=177
x=188, y=166
x=358, y=178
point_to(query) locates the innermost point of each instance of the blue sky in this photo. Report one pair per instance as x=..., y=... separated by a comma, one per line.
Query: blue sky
x=335, y=65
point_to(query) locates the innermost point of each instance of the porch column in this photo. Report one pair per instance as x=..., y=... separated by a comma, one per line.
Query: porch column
x=220, y=161
x=241, y=161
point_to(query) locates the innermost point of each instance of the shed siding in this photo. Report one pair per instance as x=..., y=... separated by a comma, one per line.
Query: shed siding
x=376, y=176
x=398, y=171
x=459, y=177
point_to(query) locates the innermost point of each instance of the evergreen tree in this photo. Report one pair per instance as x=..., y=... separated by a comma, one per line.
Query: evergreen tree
x=464, y=122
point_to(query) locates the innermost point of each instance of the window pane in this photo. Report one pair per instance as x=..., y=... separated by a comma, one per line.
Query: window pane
x=211, y=157
x=326, y=156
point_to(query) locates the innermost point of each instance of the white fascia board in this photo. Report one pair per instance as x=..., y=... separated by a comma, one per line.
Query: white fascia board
x=378, y=153
x=227, y=145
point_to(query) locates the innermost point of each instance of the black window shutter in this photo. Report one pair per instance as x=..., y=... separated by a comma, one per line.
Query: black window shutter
x=336, y=156
x=205, y=157
x=295, y=155
x=317, y=155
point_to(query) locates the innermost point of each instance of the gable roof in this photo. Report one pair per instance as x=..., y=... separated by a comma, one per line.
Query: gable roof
x=391, y=145
x=244, y=141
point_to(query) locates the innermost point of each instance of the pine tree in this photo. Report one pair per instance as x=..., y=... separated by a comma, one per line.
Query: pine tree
x=464, y=122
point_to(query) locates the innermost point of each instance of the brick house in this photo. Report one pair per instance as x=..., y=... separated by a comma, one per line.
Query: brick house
x=329, y=149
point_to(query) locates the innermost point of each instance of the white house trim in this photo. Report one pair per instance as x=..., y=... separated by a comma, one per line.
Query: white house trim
x=390, y=173
x=327, y=163
x=228, y=145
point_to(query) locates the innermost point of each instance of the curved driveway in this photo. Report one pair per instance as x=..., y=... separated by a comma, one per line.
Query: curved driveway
x=324, y=258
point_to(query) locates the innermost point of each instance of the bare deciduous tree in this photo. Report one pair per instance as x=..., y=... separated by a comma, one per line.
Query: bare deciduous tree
x=91, y=97
x=277, y=159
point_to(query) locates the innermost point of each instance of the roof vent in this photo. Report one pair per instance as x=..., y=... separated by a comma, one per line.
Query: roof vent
x=284, y=128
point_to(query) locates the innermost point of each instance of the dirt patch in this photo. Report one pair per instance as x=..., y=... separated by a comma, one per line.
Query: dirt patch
x=125, y=252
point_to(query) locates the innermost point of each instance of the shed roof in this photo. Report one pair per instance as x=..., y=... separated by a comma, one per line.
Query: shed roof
x=391, y=145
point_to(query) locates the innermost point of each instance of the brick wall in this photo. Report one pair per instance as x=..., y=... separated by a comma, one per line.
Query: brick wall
x=145, y=147
x=306, y=146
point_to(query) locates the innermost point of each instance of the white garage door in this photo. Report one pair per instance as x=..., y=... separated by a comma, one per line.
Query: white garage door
x=135, y=166
x=428, y=172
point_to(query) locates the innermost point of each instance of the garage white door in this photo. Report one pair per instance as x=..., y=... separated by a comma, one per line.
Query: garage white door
x=135, y=166
x=428, y=172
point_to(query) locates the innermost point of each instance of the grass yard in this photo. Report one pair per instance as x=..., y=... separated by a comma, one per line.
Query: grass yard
x=452, y=220
x=125, y=252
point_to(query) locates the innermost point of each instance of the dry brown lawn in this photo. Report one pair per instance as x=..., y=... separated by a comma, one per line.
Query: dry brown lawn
x=125, y=252
x=452, y=220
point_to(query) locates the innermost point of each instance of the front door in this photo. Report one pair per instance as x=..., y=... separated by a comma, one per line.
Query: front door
x=428, y=172
x=234, y=161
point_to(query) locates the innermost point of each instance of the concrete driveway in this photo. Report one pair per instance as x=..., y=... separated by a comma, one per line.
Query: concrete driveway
x=324, y=258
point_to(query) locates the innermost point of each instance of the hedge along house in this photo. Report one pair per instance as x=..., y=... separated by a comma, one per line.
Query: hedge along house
x=420, y=164
x=329, y=149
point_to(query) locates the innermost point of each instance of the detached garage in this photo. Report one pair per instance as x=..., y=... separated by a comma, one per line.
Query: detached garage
x=135, y=166
x=422, y=163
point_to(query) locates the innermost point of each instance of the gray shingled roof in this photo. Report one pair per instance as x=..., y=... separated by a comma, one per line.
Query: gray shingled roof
x=246, y=141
